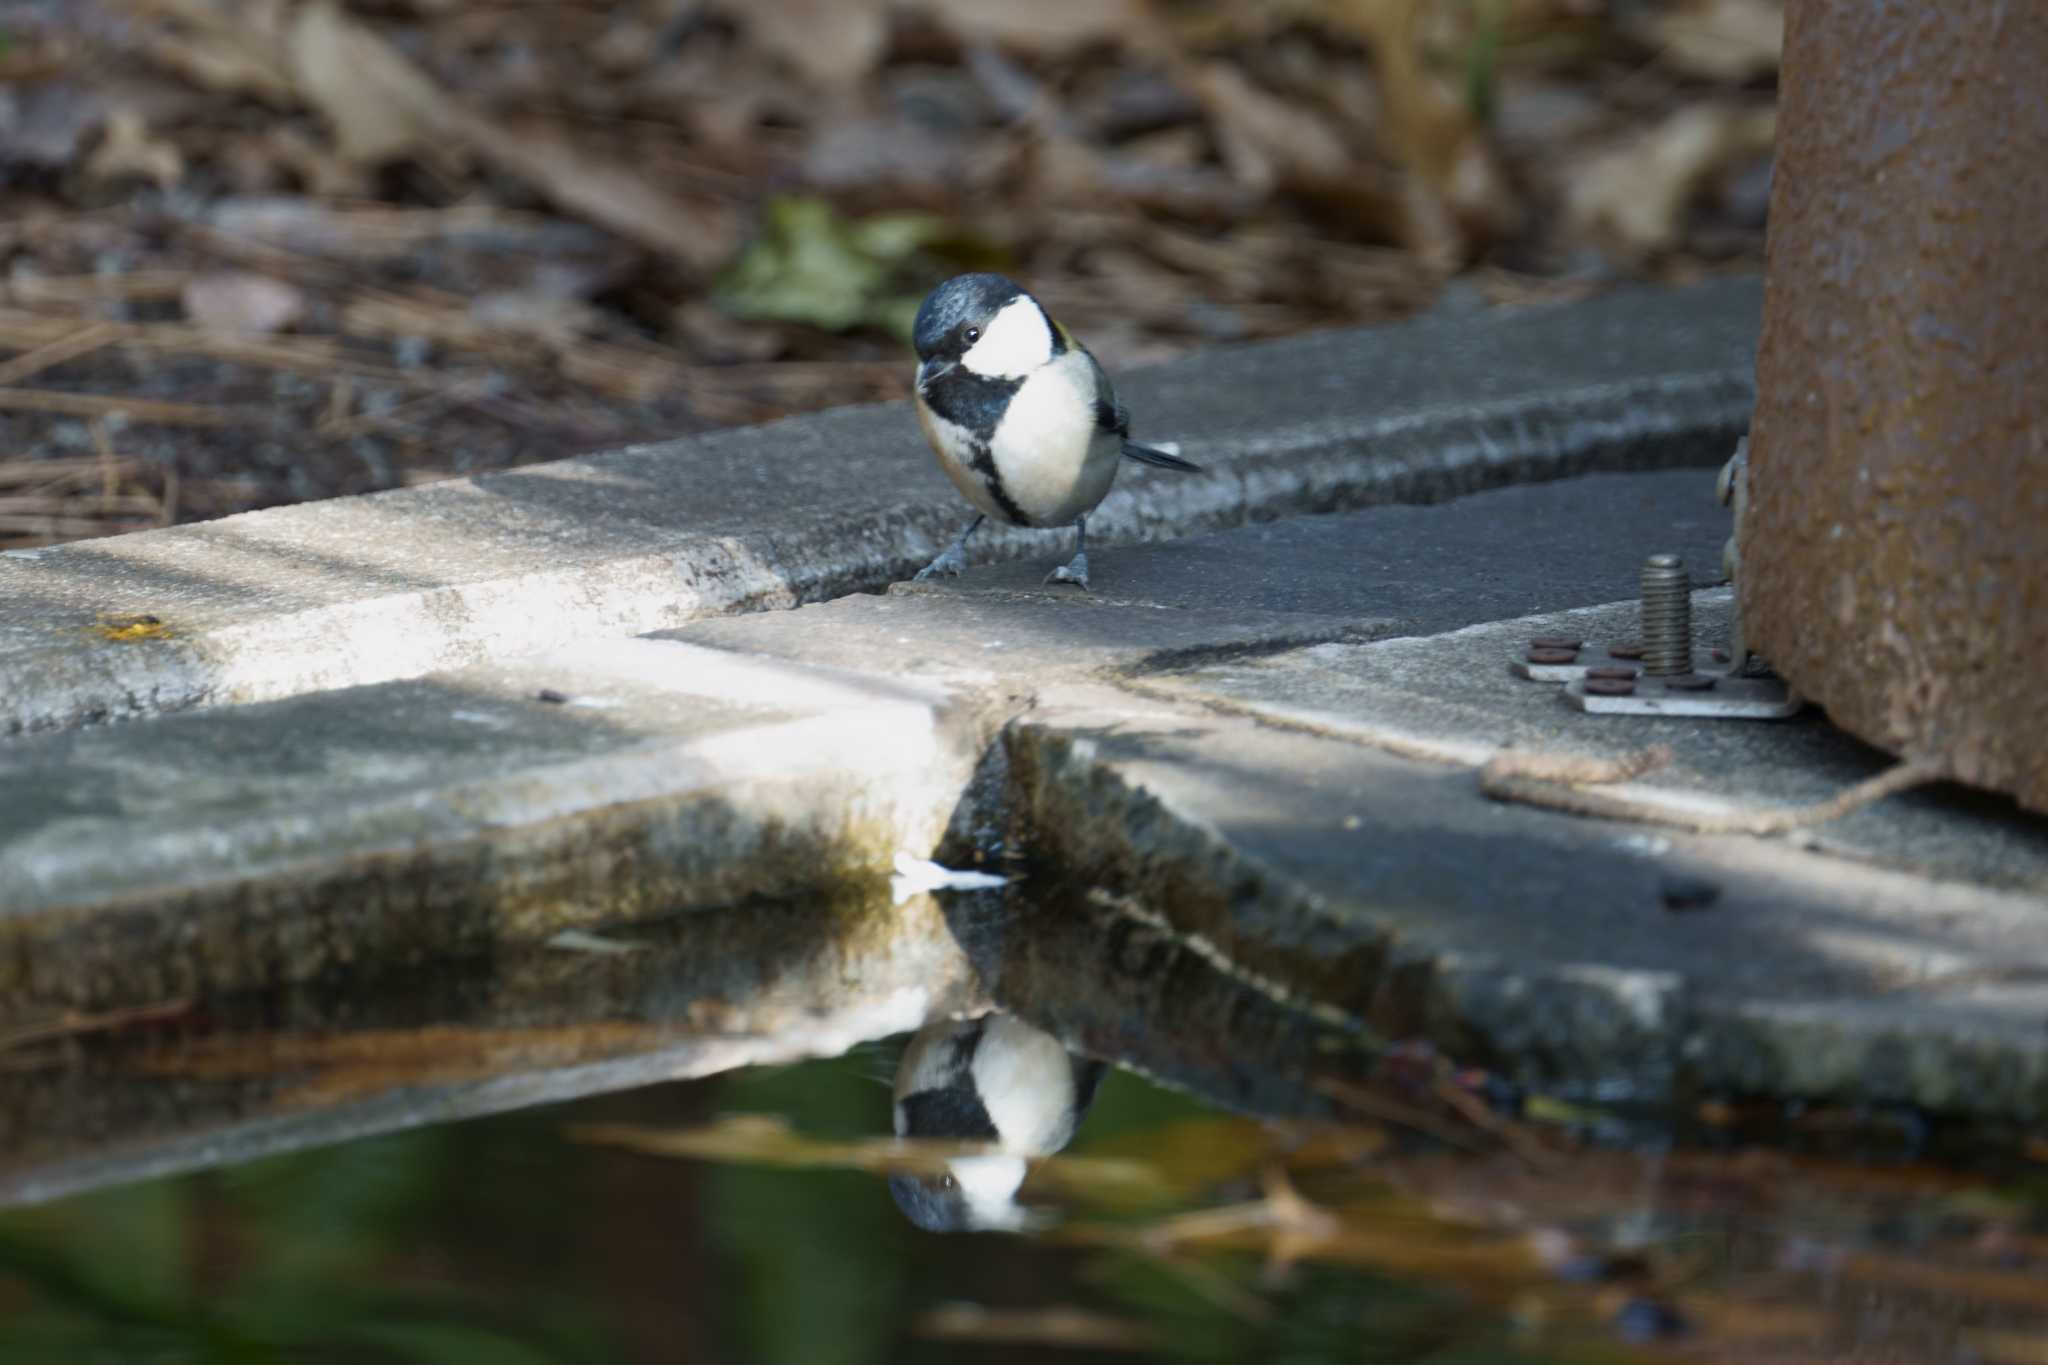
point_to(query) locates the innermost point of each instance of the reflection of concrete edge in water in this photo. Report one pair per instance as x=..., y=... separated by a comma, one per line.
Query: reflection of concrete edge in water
x=1112, y=979
x=343, y=1057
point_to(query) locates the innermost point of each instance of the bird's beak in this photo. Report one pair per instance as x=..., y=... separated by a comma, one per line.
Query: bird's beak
x=934, y=370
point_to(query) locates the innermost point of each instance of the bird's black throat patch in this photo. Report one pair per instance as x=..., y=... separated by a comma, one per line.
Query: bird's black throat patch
x=953, y=1112
x=975, y=403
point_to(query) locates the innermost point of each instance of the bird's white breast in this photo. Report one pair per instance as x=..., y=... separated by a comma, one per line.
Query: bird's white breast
x=1055, y=463
x=1026, y=1081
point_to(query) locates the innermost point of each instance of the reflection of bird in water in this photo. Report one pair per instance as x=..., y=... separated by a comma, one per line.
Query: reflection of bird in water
x=994, y=1079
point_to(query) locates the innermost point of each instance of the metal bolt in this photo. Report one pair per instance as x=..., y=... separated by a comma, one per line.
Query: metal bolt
x=1613, y=673
x=1539, y=655
x=1629, y=650
x=1610, y=687
x=1667, y=616
x=1555, y=642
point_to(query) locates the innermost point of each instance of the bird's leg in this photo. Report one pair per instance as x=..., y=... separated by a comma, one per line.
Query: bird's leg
x=1075, y=570
x=950, y=563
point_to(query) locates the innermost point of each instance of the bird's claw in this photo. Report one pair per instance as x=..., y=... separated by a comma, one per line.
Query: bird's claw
x=1074, y=571
x=948, y=565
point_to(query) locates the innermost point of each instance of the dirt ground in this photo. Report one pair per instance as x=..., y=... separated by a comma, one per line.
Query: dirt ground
x=262, y=251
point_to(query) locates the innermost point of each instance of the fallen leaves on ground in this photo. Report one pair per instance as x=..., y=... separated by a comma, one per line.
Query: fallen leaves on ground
x=348, y=245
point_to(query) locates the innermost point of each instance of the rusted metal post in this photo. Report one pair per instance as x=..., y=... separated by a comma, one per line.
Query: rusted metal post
x=1894, y=549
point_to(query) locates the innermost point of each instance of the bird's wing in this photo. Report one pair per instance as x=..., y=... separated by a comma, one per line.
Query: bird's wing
x=1110, y=415
x=1159, y=459
x=1114, y=418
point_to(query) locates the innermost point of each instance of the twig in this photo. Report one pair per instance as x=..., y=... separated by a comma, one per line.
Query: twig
x=42, y=476
x=1533, y=1154
x=106, y=504
x=1558, y=782
x=75, y=289
x=1363, y=1101
x=136, y=409
x=84, y=341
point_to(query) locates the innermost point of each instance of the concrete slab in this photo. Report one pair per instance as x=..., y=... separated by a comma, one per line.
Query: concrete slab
x=1542, y=944
x=1492, y=555
x=1451, y=696
x=388, y=825
x=363, y=590
x=1014, y=643
x=608, y=781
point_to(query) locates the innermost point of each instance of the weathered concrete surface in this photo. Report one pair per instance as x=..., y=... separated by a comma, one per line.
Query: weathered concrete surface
x=1452, y=697
x=1011, y=643
x=1303, y=830
x=1248, y=827
x=1390, y=889
x=391, y=824
x=364, y=590
x=1502, y=553
x=1895, y=549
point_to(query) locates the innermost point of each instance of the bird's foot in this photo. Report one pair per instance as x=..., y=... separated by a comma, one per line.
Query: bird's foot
x=1074, y=571
x=947, y=565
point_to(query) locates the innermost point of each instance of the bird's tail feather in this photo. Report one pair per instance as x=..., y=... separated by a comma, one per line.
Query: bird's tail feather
x=1158, y=458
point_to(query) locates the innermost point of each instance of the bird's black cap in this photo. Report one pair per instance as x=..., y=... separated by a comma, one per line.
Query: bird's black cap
x=964, y=298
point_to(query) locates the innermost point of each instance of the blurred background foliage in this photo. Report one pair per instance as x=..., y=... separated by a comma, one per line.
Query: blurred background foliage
x=268, y=250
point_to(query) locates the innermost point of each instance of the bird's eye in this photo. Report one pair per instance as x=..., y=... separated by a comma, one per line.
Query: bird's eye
x=973, y=334
x=947, y=1182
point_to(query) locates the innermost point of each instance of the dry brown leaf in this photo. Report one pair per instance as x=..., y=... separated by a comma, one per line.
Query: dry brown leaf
x=217, y=47
x=242, y=301
x=1265, y=141
x=1045, y=27
x=834, y=42
x=1636, y=194
x=379, y=105
x=128, y=152
x=1722, y=40
x=1433, y=135
x=701, y=234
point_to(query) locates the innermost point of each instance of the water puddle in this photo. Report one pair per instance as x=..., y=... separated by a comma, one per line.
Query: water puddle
x=611, y=1150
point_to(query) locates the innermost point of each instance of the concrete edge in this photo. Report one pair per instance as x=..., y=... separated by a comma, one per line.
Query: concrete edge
x=1660, y=1038
x=1655, y=422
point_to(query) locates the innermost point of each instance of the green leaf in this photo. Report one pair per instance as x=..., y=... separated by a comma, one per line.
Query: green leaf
x=810, y=265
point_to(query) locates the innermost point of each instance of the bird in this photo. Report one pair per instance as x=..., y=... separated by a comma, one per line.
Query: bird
x=995, y=1079
x=1023, y=419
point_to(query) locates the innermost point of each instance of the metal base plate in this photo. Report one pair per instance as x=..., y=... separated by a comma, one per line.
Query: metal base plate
x=1609, y=680
x=1724, y=698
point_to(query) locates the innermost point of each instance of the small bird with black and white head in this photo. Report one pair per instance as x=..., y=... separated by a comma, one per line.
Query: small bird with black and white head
x=1023, y=420
x=997, y=1080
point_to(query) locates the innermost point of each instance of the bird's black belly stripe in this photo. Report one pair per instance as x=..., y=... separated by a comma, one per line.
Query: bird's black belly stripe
x=976, y=403
x=983, y=462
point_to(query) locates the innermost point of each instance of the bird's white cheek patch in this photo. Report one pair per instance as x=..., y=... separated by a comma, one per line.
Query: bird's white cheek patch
x=1017, y=341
